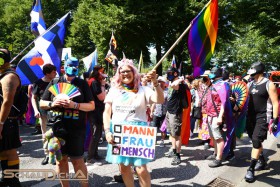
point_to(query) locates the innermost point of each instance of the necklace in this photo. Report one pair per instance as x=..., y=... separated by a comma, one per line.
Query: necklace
x=258, y=82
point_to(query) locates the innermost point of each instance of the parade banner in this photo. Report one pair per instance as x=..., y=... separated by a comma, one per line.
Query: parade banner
x=134, y=141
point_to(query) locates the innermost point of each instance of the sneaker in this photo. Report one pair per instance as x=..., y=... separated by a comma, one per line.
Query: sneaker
x=170, y=153
x=36, y=132
x=175, y=161
x=206, y=146
x=261, y=165
x=45, y=161
x=93, y=162
x=100, y=140
x=211, y=157
x=161, y=144
x=250, y=175
x=230, y=157
x=215, y=163
x=118, y=178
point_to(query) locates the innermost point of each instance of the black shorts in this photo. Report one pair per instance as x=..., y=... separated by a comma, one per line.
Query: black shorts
x=157, y=121
x=10, y=136
x=74, y=144
x=257, y=128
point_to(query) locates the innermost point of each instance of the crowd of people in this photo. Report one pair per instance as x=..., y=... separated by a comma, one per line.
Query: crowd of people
x=131, y=98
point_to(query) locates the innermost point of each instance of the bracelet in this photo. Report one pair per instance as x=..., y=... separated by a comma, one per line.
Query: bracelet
x=156, y=85
x=78, y=107
x=75, y=106
x=107, y=131
x=2, y=122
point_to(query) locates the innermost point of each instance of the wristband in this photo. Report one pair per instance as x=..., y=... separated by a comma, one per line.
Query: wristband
x=156, y=85
x=108, y=133
x=75, y=106
x=107, y=130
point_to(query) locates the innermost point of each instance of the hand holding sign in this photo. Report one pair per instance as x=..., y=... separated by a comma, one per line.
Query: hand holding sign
x=110, y=138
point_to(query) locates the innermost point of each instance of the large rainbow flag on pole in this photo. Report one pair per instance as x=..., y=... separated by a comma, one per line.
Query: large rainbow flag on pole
x=202, y=37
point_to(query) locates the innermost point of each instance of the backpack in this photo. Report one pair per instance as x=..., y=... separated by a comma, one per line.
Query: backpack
x=19, y=106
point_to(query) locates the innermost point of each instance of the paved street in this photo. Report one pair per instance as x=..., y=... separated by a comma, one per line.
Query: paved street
x=193, y=171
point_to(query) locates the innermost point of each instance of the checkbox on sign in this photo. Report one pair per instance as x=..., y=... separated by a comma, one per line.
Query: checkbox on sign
x=117, y=139
x=117, y=129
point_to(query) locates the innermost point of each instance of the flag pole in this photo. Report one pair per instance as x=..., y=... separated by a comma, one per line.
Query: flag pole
x=140, y=61
x=36, y=39
x=172, y=47
x=178, y=40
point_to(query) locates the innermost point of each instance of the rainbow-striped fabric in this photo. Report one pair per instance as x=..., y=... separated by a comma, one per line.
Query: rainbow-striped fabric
x=202, y=37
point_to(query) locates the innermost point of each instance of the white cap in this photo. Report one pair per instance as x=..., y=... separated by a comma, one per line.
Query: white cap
x=206, y=73
x=161, y=78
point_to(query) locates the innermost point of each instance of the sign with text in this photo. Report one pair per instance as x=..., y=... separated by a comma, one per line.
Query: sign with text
x=134, y=141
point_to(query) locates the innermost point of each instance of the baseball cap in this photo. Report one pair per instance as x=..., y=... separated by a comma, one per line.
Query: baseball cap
x=206, y=73
x=161, y=78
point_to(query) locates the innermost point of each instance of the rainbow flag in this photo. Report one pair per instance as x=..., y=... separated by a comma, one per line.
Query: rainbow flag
x=202, y=37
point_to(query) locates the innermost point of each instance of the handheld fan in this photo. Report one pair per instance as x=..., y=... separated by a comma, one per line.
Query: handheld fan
x=64, y=90
x=240, y=90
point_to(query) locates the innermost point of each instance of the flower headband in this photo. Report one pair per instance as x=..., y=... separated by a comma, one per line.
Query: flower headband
x=125, y=62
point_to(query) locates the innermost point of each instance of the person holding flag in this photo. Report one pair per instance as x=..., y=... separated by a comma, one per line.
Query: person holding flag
x=176, y=101
x=127, y=87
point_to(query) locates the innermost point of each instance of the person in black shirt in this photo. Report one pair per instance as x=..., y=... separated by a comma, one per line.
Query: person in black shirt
x=9, y=131
x=97, y=86
x=262, y=99
x=39, y=87
x=70, y=114
x=176, y=101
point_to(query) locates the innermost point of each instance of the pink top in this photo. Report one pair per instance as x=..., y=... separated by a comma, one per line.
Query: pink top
x=210, y=109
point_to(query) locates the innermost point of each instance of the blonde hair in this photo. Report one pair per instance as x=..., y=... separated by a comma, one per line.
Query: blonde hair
x=195, y=84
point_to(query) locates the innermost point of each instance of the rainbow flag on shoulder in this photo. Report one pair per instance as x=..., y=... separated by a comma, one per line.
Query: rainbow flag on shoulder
x=202, y=37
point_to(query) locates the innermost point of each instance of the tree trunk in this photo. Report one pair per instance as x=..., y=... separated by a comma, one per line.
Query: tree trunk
x=158, y=57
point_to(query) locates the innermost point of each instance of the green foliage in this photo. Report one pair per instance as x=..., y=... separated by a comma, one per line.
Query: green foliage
x=249, y=30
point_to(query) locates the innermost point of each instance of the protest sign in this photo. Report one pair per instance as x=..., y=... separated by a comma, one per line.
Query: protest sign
x=134, y=141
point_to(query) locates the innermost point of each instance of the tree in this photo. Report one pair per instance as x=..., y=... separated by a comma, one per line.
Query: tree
x=248, y=30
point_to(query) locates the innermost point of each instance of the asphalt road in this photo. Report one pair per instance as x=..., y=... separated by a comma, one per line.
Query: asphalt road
x=193, y=171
